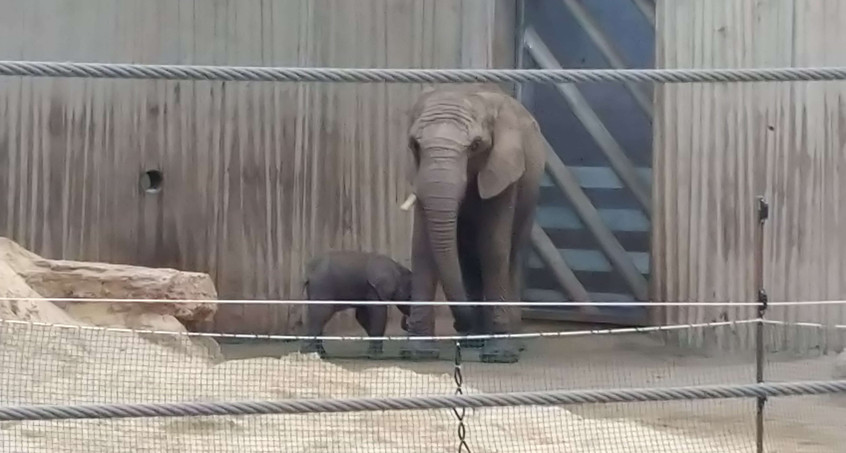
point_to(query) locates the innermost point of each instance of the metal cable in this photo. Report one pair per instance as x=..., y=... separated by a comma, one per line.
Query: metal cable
x=815, y=325
x=377, y=75
x=527, y=335
x=434, y=303
x=302, y=406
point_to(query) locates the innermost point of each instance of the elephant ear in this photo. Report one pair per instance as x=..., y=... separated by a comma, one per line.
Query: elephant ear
x=383, y=284
x=506, y=161
x=403, y=286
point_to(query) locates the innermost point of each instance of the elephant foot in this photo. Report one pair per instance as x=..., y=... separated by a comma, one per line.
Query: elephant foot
x=463, y=328
x=374, y=349
x=500, y=350
x=471, y=344
x=420, y=350
x=479, y=344
x=309, y=347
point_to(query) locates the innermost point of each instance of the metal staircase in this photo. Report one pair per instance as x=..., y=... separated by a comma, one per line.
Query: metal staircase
x=591, y=238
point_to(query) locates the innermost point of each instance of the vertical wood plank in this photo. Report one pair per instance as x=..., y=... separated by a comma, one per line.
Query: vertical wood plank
x=718, y=146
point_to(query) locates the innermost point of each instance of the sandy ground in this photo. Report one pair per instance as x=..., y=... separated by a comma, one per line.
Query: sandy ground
x=55, y=365
x=43, y=365
x=794, y=424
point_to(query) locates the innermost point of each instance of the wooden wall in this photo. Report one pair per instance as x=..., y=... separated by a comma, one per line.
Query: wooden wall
x=717, y=146
x=258, y=177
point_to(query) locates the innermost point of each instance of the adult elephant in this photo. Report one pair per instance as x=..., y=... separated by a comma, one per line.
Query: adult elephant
x=478, y=159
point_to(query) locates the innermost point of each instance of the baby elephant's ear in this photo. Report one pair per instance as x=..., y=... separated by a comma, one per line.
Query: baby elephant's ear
x=383, y=284
x=506, y=162
x=404, y=282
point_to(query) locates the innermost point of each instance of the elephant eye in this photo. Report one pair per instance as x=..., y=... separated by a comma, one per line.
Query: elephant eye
x=415, y=149
x=475, y=144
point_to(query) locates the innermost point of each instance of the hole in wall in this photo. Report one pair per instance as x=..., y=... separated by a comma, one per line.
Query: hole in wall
x=151, y=181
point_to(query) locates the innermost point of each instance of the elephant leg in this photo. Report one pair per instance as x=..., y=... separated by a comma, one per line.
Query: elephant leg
x=467, y=322
x=421, y=318
x=524, y=219
x=363, y=317
x=495, y=255
x=316, y=317
x=514, y=315
x=377, y=320
x=494, y=251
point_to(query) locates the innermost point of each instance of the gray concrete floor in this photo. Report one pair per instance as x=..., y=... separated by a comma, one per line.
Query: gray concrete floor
x=793, y=424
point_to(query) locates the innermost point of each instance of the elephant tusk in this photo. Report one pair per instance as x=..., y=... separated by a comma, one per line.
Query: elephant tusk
x=409, y=202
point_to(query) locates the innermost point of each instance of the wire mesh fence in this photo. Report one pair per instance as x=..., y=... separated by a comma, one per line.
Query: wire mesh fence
x=634, y=360
x=63, y=365
x=803, y=423
x=46, y=364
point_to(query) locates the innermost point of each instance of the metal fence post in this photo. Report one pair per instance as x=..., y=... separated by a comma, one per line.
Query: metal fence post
x=763, y=211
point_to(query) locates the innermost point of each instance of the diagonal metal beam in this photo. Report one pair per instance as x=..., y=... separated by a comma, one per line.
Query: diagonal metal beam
x=519, y=48
x=541, y=242
x=616, y=254
x=550, y=256
x=647, y=7
x=580, y=107
x=609, y=51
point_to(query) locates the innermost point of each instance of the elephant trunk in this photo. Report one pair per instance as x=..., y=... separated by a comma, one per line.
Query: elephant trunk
x=440, y=189
x=442, y=235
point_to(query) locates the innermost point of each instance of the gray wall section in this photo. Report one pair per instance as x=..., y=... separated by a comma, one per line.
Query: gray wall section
x=718, y=146
x=258, y=177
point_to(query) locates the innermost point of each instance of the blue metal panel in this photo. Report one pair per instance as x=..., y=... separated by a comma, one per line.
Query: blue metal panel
x=616, y=219
x=597, y=177
x=634, y=38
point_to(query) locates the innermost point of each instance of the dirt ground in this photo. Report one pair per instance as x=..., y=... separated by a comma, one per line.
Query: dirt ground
x=792, y=424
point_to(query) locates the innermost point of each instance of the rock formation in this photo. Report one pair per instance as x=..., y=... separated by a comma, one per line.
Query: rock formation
x=13, y=285
x=25, y=274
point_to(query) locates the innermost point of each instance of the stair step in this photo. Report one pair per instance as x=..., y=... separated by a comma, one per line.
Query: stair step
x=588, y=260
x=616, y=219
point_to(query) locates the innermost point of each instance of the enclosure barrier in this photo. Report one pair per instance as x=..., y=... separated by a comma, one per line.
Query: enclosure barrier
x=21, y=363
x=431, y=303
x=759, y=390
x=51, y=412
x=374, y=75
x=527, y=335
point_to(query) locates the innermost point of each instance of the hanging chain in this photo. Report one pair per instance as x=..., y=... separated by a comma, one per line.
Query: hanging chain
x=459, y=413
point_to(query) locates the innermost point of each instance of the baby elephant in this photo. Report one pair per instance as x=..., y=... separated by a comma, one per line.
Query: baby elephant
x=349, y=275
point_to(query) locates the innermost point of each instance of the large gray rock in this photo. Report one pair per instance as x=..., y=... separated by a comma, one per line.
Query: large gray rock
x=64, y=278
x=12, y=285
x=25, y=274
